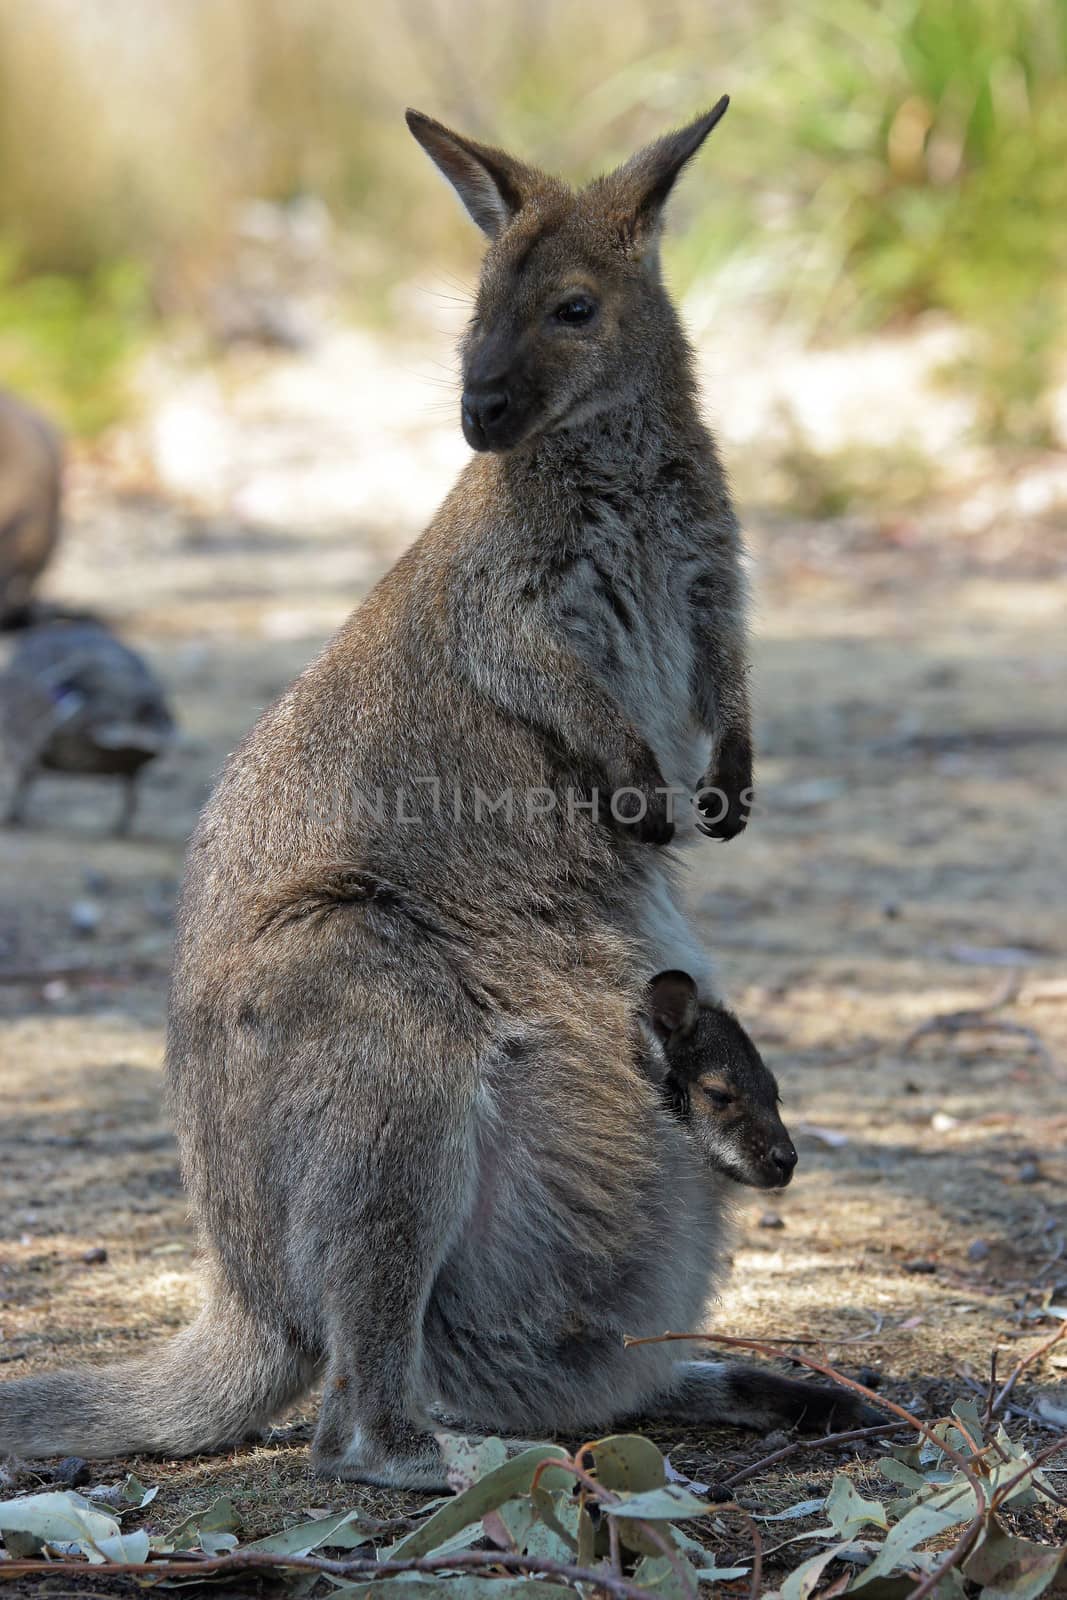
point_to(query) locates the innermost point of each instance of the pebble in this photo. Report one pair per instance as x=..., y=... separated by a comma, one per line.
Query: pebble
x=775, y=1441
x=920, y=1265
x=771, y=1219
x=1030, y=1172
x=72, y=1472
x=977, y=1250
x=85, y=917
x=96, y=1256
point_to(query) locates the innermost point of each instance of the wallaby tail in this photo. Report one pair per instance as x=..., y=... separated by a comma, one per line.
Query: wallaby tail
x=214, y=1383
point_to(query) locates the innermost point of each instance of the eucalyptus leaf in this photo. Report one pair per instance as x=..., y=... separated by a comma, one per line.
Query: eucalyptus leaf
x=945, y=1510
x=672, y=1580
x=627, y=1462
x=61, y=1517
x=849, y=1511
x=966, y=1410
x=513, y=1478
x=218, y=1517
x=513, y=1520
x=1007, y=1567
x=802, y=1583
x=803, y=1508
x=659, y=1505
x=126, y=1546
x=587, y=1537
x=304, y=1537
x=556, y=1533
x=897, y=1472
x=468, y=1460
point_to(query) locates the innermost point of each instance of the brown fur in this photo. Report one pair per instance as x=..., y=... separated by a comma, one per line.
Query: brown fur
x=31, y=468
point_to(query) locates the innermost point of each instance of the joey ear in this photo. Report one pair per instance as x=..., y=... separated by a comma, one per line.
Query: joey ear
x=672, y=1003
x=492, y=185
x=643, y=184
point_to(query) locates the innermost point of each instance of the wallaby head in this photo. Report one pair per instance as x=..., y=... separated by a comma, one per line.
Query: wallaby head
x=571, y=311
x=719, y=1084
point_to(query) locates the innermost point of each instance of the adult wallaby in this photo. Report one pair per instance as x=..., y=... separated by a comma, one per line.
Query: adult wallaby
x=404, y=1055
x=31, y=466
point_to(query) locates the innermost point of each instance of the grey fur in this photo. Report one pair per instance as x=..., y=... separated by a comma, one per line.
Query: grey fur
x=75, y=700
x=404, y=1061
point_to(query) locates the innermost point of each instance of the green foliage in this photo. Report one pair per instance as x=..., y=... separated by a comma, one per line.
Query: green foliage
x=68, y=341
x=924, y=151
x=544, y=1519
x=882, y=157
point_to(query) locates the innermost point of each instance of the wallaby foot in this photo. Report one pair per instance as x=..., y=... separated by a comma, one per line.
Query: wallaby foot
x=392, y=1454
x=755, y=1397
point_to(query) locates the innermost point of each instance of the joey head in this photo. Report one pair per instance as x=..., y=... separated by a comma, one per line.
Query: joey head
x=718, y=1084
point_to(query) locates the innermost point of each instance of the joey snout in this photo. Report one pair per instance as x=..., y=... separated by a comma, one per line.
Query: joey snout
x=777, y=1163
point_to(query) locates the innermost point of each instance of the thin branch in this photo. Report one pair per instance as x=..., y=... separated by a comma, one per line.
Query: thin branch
x=1006, y=1490
x=970, y=1533
x=779, y=1352
x=1021, y=1366
x=757, y=1546
x=244, y=1561
x=811, y=1444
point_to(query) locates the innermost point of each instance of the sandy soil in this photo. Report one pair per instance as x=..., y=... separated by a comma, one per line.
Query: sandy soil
x=908, y=863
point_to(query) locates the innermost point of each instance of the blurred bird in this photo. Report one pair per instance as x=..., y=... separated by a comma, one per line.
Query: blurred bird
x=31, y=465
x=73, y=699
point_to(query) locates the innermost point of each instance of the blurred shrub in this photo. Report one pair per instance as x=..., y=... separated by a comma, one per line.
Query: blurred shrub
x=69, y=340
x=883, y=157
x=926, y=146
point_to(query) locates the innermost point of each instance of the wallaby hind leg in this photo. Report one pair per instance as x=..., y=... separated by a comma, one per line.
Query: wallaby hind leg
x=390, y=1206
x=754, y=1397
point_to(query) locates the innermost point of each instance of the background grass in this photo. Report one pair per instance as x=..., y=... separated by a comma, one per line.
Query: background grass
x=882, y=158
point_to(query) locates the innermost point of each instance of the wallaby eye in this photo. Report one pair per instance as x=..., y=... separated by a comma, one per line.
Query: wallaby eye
x=577, y=311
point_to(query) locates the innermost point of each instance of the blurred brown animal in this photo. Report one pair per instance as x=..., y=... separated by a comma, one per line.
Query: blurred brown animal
x=31, y=471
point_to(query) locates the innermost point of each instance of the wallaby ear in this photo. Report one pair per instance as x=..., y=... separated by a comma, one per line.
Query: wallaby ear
x=672, y=1003
x=642, y=186
x=492, y=185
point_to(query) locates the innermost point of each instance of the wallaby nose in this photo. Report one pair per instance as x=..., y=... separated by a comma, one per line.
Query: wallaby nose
x=784, y=1158
x=482, y=412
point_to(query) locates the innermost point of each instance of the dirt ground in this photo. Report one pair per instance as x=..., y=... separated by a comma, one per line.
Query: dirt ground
x=908, y=862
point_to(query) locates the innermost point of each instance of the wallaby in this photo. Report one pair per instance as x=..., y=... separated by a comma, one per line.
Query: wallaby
x=715, y=1081
x=31, y=468
x=403, y=1054
x=76, y=700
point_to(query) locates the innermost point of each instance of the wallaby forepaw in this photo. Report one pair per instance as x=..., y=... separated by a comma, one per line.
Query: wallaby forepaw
x=725, y=794
x=643, y=807
x=722, y=821
x=650, y=825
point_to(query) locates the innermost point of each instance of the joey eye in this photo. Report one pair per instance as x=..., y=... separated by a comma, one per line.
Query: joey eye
x=574, y=313
x=720, y=1099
